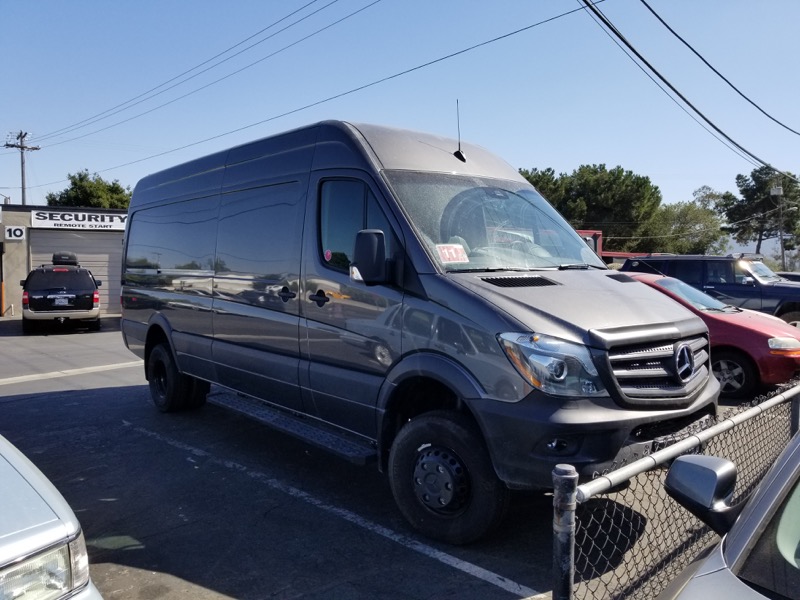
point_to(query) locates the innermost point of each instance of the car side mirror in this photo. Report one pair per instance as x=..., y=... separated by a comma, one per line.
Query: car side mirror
x=704, y=485
x=369, y=257
x=98, y=282
x=22, y=282
x=748, y=281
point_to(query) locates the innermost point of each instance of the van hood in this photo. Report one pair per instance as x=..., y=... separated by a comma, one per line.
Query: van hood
x=597, y=308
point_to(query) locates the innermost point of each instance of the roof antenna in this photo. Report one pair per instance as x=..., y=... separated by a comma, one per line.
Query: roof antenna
x=458, y=153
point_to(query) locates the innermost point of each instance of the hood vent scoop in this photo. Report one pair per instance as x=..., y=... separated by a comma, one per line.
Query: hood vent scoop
x=516, y=281
x=622, y=277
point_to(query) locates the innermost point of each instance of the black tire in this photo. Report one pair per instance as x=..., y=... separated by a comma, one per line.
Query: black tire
x=29, y=326
x=736, y=374
x=462, y=498
x=198, y=392
x=169, y=390
x=94, y=325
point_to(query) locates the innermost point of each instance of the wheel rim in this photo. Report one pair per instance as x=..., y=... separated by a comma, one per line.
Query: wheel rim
x=441, y=482
x=730, y=375
x=159, y=379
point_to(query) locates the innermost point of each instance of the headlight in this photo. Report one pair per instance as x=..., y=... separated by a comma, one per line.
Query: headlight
x=784, y=346
x=553, y=365
x=47, y=576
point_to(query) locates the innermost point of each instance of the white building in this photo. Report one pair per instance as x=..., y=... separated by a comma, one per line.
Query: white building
x=33, y=233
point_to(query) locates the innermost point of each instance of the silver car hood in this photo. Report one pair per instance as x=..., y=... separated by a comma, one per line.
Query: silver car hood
x=33, y=514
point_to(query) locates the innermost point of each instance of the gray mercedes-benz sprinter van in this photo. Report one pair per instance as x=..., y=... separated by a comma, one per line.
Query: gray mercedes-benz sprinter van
x=397, y=296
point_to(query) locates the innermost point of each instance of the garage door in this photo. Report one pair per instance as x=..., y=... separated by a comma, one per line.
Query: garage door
x=98, y=251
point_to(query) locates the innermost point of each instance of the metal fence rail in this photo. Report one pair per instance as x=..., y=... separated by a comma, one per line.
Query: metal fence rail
x=622, y=536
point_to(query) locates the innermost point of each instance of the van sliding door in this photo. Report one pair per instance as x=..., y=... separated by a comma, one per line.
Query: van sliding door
x=256, y=280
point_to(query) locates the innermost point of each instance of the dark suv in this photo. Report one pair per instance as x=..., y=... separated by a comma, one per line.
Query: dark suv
x=739, y=279
x=60, y=292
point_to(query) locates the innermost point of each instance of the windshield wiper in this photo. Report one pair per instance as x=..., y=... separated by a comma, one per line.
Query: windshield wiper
x=579, y=266
x=489, y=270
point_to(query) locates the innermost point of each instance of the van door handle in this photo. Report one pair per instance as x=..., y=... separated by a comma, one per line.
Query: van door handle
x=320, y=298
x=285, y=294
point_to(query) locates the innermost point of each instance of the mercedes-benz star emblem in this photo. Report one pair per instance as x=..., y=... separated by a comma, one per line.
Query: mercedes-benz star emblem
x=684, y=362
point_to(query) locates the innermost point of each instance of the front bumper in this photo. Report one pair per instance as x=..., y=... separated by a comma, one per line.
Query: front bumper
x=527, y=439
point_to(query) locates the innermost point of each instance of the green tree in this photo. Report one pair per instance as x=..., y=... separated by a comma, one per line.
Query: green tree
x=684, y=228
x=756, y=215
x=619, y=203
x=91, y=191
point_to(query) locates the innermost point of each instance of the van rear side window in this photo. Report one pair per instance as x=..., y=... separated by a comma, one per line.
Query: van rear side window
x=174, y=237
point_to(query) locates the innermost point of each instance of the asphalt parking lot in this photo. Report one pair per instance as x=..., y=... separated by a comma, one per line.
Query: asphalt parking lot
x=210, y=505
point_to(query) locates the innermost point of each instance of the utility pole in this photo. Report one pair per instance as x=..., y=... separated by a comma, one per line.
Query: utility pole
x=22, y=148
x=777, y=191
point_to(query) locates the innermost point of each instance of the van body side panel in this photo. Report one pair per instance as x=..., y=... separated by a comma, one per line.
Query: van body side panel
x=168, y=271
x=256, y=313
x=350, y=336
x=196, y=179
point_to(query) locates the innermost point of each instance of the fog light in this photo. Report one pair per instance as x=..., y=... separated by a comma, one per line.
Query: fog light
x=557, y=445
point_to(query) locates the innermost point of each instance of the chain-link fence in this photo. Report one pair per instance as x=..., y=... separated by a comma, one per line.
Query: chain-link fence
x=622, y=536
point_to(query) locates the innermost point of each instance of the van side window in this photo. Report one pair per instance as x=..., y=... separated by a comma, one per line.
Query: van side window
x=257, y=231
x=174, y=237
x=346, y=207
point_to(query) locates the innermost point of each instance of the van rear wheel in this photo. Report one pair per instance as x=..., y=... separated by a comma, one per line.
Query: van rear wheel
x=443, y=480
x=169, y=390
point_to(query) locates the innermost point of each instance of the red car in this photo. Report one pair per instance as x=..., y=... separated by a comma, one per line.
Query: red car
x=749, y=349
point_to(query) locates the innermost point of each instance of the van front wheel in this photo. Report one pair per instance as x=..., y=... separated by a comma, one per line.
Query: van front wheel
x=443, y=480
x=169, y=390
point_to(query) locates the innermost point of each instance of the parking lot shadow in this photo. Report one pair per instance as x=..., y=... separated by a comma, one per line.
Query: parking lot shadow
x=12, y=327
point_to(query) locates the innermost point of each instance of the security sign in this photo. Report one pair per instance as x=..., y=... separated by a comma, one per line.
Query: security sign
x=15, y=234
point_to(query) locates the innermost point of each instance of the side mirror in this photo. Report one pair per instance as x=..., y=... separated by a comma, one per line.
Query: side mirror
x=98, y=282
x=704, y=485
x=748, y=281
x=369, y=257
x=22, y=282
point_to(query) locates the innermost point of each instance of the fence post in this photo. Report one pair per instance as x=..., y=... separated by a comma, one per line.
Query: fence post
x=795, y=424
x=565, y=484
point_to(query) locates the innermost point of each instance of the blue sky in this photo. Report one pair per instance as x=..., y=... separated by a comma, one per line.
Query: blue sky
x=558, y=94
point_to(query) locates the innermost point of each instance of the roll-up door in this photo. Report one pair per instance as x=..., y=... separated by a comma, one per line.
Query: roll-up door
x=98, y=251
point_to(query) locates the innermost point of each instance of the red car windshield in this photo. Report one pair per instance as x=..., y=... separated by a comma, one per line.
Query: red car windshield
x=700, y=300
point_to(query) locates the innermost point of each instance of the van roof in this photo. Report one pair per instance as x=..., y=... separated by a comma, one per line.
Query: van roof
x=324, y=145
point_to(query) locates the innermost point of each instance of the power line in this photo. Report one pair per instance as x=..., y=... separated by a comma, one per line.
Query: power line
x=229, y=75
x=611, y=27
x=342, y=94
x=672, y=98
x=149, y=93
x=720, y=75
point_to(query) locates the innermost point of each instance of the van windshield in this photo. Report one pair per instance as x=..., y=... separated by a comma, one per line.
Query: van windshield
x=479, y=224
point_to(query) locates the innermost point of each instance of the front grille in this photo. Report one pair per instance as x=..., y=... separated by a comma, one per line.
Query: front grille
x=657, y=374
